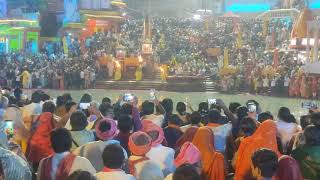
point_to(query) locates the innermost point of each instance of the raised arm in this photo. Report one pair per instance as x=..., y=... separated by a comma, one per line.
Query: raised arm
x=158, y=104
x=63, y=121
x=227, y=112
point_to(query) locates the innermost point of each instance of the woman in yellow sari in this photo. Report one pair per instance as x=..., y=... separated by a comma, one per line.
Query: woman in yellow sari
x=117, y=74
x=25, y=79
x=138, y=73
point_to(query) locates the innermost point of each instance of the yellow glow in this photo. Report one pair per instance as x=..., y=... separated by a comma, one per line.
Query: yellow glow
x=118, y=65
x=161, y=69
x=118, y=3
x=140, y=59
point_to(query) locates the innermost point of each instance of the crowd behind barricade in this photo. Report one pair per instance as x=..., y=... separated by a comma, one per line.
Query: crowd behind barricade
x=40, y=71
x=182, y=44
x=43, y=139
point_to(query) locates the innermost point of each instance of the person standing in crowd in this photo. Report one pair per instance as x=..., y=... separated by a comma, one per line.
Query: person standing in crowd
x=13, y=167
x=113, y=160
x=288, y=169
x=10, y=78
x=81, y=175
x=220, y=128
x=148, y=112
x=195, y=121
x=86, y=78
x=314, y=87
x=3, y=136
x=110, y=66
x=158, y=153
x=172, y=132
x=264, y=164
x=106, y=130
x=265, y=84
x=186, y=172
x=181, y=108
x=308, y=155
x=17, y=78
x=39, y=145
x=212, y=161
x=287, y=127
x=31, y=111
x=139, y=165
x=125, y=126
x=62, y=163
x=188, y=154
x=79, y=134
x=252, y=143
x=26, y=77
x=93, y=78
x=82, y=79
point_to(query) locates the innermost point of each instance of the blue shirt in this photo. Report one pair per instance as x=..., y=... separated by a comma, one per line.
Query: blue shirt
x=220, y=136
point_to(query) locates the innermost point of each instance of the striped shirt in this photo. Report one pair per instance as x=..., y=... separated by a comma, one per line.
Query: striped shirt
x=14, y=167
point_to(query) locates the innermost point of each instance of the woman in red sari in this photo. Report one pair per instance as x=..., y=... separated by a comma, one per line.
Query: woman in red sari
x=39, y=145
x=264, y=137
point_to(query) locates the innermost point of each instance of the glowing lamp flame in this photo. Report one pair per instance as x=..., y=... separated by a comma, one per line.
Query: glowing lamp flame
x=118, y=65
x=140, y=59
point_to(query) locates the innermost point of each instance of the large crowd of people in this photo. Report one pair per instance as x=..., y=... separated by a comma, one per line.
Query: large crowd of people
x=183, y=45
x=58, y=138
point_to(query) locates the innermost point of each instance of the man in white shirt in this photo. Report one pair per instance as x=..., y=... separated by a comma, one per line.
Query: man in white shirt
x=31, y=111
x=93, y=151
x=161, y=155
x=82, y=79
x=113, y=159
x=148, y=112
x=62, y=163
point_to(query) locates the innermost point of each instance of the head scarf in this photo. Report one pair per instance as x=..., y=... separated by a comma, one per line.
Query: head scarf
x=288, y=169
x=264, y=137
x=109, y=134
x=148, y=127
x=188, y=154
x=187, y=136
x=139, y=149
x=212, y=161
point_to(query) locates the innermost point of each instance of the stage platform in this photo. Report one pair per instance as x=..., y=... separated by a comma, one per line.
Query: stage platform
x=174, y=85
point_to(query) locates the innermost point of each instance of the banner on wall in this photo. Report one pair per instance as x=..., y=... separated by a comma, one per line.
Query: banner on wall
x=71, y=13
x=3, y=8
x=94, y=4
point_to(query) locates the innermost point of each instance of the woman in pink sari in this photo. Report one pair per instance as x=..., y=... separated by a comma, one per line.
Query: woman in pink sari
x=292, y=87
x=303, y=87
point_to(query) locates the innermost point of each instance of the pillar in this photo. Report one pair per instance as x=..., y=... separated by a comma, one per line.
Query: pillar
x=316, y=43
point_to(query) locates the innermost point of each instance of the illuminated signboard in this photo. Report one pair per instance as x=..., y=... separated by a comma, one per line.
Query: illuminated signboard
x=249, y=5
x=314, y=4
